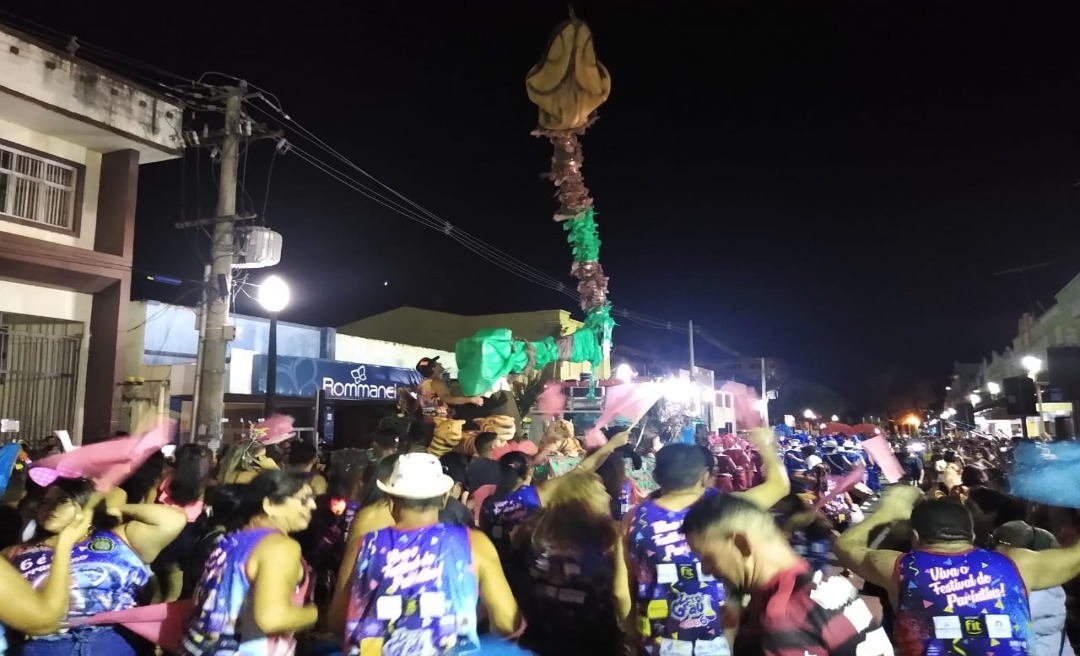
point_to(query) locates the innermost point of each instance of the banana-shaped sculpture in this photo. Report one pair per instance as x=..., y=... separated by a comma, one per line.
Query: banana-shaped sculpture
x=568, y=83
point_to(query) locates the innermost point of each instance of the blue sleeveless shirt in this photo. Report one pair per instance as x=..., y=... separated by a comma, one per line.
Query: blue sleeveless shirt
x=962, y=603
x=414, y=592
x=106, y=574
x=499, y=517
x=222, y=622
x=678, y=604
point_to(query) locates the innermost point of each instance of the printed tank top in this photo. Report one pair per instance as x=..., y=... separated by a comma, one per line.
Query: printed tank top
x=678, y=604
x=962, y=603
x=570, y=595
x=499, y=517
x=222, y=622
x=106, y=574
x=413, y=592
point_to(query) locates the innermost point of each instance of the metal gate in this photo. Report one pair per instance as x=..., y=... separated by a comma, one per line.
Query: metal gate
x=38, y=377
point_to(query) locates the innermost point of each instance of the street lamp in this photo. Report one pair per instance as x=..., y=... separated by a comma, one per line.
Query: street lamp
x=975, y=399
x=1033, y=366
x=624, y=372
x=835, y=418
x=993, y=388
x=273, y=295
x=809, y=414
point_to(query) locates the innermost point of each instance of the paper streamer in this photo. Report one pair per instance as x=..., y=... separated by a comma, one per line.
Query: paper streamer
x=879, y=449
x=852, y=479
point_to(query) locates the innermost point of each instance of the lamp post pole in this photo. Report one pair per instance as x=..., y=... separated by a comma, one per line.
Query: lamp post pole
x=271, y=368
x=273, y=296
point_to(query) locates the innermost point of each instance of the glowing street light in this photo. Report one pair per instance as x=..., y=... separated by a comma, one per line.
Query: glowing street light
x=809, y=414
x=273, y=294
x=624, y=372
x=993, y=388
x=835, y=418
x=1034, y=366
x=975, y=399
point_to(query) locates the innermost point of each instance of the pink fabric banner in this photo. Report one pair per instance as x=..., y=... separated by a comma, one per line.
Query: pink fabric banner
x=626, y=403
x=853, y=478
x=106, y=463
x=881, y=452
x=161, y=624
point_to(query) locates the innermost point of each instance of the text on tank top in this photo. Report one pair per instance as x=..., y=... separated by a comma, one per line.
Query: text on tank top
x=106, y=575
x=962, y=603
x=221, y=623
x=678, y=604
x=413, y=592
x=625, y=501
x=499, y=517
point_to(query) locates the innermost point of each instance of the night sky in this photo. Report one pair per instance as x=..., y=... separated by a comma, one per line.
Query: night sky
x=831, y=183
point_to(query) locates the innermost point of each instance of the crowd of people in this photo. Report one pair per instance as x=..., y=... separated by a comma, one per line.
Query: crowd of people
x=753, y=545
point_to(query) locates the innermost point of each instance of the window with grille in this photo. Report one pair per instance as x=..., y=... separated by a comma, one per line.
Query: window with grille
x=36, y=189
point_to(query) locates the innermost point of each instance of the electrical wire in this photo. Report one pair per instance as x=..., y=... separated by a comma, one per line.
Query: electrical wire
x=417, y=213
x=190, y=91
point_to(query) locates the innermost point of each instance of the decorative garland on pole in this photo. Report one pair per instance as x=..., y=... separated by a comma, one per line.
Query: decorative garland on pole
x=568, y=84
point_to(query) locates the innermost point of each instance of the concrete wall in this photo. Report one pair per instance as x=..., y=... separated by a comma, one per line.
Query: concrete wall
x=22, y=136
x=36, y=301
x=39, y=74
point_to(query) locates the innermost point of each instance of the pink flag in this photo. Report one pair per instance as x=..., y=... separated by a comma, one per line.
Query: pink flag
x=107, y=463
x=879, y=450
x=624, y=404
x=853, y=478
x=161, y=624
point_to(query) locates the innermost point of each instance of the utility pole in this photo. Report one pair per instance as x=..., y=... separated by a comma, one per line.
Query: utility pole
x=210, y=404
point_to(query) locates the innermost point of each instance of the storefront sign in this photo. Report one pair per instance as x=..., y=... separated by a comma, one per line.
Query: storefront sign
x=346, y=381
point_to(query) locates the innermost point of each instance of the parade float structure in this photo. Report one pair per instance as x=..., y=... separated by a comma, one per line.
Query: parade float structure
x=568, y=85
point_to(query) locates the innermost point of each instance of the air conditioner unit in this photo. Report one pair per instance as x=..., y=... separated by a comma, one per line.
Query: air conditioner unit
x=257, y=247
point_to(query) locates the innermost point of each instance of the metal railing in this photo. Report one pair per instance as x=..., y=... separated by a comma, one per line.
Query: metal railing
x=38, y=380
x=36, y=189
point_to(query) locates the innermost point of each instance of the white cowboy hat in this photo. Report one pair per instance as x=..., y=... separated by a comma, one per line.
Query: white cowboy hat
x=417, y=476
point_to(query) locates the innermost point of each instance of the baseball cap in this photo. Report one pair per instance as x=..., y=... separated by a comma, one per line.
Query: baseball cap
x=426, y=366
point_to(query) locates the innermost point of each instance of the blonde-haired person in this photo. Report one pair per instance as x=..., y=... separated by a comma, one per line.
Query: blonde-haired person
x=576, y=598
x=243, y=461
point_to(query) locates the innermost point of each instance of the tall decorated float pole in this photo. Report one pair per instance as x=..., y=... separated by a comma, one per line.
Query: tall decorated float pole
x=568, y=84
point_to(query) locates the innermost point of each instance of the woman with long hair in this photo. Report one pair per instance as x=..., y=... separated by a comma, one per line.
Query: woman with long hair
x=514, y=499
x=323, y=542
x=110, y=572
x=184, y=488
x=577, y=596
x=243, y=461
x=250, y=597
